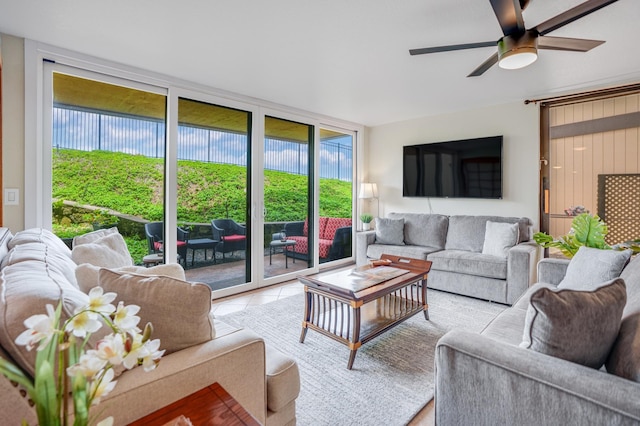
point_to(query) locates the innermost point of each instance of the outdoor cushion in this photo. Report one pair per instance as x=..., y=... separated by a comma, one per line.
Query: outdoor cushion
x=499, y=238
x=333, y=223
x=234, y=237
x=590, y=267
x=389, y=231
x=578, y=326
x=162, y=302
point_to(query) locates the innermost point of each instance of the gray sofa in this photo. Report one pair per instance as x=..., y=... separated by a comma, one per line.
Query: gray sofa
x=455, y=246
x=37, y=268
x=487, y=379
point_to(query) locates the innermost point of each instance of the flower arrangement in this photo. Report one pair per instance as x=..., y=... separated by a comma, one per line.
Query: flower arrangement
x=85, y=375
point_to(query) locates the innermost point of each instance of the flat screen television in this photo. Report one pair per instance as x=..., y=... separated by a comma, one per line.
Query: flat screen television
x=469, y=168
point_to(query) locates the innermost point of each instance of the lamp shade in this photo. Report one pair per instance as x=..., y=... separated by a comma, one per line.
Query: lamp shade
x=368, y=190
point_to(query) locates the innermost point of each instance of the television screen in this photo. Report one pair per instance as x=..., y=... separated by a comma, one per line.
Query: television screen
x=470, y=168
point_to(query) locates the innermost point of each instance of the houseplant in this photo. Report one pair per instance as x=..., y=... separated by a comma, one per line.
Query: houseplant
x=65, y=368
x=586, y=230
x=366, y=219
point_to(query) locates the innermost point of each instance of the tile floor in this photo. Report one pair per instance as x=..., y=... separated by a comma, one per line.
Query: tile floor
x=261, y=296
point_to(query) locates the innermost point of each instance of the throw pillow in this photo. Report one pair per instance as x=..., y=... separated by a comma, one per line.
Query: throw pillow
x=178, y=310
x=624, y=359
x=390, y=231
x=109, y=251
x=91, y=237
x=499, y=238
x=579, y=326
x=88, y=275
x=590, y=267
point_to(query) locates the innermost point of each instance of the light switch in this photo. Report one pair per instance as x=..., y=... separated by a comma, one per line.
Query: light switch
x=11, y=196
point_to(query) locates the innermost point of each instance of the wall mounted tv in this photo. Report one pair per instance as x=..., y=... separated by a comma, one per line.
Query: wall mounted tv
x=469, y=168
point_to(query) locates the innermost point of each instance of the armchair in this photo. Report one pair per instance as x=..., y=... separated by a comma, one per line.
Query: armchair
x=154, y=232
x=232, y=236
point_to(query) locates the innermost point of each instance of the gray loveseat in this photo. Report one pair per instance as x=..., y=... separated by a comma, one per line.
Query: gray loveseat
x=487, y=379
x=37, y=268
x=455, y=246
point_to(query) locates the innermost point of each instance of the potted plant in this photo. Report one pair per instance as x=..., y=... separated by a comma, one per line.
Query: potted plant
x=366, y=219
x=586, y=230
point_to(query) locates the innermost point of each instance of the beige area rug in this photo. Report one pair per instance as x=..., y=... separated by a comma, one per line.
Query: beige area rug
x=393, y=375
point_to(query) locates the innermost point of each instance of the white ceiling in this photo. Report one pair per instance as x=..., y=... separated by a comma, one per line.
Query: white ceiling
x=342, y=58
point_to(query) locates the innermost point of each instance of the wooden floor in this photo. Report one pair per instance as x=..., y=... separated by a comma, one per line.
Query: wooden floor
x=261, y=296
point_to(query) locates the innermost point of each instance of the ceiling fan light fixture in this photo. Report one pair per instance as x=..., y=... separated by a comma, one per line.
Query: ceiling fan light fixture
x=514, y=53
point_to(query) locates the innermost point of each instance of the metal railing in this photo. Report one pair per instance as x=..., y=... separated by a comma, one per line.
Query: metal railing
x=88, y=130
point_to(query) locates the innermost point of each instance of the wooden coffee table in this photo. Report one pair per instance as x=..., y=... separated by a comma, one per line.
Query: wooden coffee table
x=207, y=407
x=357, y=305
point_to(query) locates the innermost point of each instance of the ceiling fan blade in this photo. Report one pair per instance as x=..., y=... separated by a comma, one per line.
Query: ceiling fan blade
x=571, y=15
x=449, y=48
x=509, y=16
x=484, y=66
x=571, y=44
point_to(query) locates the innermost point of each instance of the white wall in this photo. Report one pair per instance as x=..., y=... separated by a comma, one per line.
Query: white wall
x=518, y=123
x=13, y=159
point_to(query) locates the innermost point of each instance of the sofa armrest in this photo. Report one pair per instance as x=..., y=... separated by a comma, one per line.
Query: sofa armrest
x=294, y=228
x=341, y=245
x=235, y=358
x=552, y=271
x=363, y=239
x=521, y=269
x=482, y=381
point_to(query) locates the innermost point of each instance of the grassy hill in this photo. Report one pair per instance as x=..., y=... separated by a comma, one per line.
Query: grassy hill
x=133, y=185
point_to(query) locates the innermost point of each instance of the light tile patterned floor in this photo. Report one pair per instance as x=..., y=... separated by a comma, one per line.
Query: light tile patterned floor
x=272, y=293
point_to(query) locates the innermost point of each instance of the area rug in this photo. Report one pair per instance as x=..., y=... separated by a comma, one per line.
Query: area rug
x=393, y=375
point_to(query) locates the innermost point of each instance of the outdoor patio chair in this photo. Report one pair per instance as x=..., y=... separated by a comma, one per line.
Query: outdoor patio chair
x=232, y=236
x=155, y=236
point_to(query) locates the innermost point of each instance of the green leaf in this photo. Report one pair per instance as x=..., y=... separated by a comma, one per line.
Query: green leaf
x=13, y=373
x=46, y=396
x=586, y=230
x=80, y=400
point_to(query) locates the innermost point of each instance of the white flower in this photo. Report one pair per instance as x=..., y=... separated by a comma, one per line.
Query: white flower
x=125, y=318
x=39, y=328
x=152, y=354
x=102, y=386
x=101, y=302
x=111, y=348
x=136, y=351
x=83, y=322
x=88, y=365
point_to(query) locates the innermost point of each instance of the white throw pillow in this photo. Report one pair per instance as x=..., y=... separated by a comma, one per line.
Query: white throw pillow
x=591, y=266
x=91, y=237
x=499, y=237
x=179, y=310
x=109, y=251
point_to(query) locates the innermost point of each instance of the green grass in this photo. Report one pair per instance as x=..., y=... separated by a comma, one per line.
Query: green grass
x=133, y=185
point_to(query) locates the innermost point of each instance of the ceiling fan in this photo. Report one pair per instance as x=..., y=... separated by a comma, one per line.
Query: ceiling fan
x=519, y=46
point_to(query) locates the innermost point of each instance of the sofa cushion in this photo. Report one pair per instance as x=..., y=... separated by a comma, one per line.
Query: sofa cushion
x=5, y=237
x=88, y=275
x=499, y=238
x=324, y=247
x=109, y=251
x=40, y=235
x=179, y=310
x=624, y=359
x=302, y=244
x=470, y=263
x=27, y=287
x=375, y=251
x=389, y=231
x=631, y=276
x=467, y=232
x=428, y=230
x=578, y=326
x=93, y=236
x=590, y=267
x=56, y=260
